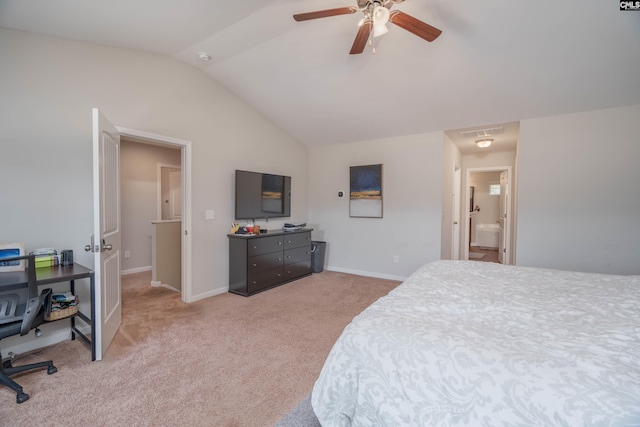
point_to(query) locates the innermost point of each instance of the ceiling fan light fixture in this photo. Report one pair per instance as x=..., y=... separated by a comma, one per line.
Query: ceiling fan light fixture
x=380, y=30
x=380, y=15
x=484, y=143
x=380, y=18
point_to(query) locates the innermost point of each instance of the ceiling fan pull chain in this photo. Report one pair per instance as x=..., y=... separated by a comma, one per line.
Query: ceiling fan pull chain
x=373, y=48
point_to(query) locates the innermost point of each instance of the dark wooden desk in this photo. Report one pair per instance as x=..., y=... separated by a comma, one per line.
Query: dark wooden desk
x=58, y=274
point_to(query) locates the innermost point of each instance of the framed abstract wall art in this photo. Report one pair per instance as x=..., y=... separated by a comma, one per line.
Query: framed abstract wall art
x=365, y=191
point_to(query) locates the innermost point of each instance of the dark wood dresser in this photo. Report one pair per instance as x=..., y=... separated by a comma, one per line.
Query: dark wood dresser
x=267, y=260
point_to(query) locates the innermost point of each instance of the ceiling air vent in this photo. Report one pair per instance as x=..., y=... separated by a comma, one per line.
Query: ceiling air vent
x=481, y=133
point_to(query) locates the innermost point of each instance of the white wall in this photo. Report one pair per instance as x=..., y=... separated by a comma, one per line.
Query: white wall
x=412, y=192
x=579, y=191
x=48, y=88
x=139, y=198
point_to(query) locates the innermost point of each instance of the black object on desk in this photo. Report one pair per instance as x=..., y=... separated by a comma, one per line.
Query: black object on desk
x=58, y=274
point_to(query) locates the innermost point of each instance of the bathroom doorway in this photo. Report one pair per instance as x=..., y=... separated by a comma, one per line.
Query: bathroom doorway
x=488, y=225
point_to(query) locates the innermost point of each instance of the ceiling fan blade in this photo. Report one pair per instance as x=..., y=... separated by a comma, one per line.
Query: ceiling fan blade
x=414, y=26
x=361, y=38
x=325, y=13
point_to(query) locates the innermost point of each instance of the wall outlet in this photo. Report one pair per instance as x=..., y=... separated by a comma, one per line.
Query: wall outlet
x=396, y=259
x=127, y=254
x=209, y=214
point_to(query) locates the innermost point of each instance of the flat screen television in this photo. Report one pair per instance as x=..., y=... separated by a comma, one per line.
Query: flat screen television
x=262, y=195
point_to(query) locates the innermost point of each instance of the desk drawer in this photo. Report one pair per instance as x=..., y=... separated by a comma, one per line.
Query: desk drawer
x=264, y=245
x=292, y=256
x=264, y=262
x=263, y=280
x=297, y=240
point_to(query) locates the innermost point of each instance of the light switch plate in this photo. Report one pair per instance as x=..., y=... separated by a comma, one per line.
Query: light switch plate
x=209, y=214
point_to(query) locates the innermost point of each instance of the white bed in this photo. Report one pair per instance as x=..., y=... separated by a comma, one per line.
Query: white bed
x=481, y=344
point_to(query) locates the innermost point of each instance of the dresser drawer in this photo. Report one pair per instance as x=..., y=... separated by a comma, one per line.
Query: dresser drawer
x=264, y=262
x=291, y=271
x=264, y=245
x=297, y=240
x=264, y=279
x=291, y=256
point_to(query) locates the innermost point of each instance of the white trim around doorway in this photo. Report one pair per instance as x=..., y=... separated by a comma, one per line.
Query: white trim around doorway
x=185, y=151
x=509, y=259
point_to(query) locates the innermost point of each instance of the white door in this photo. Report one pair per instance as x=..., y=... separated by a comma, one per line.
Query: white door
x=175, y=195
x=503, y=220
x=455, y=231
x=106, y=230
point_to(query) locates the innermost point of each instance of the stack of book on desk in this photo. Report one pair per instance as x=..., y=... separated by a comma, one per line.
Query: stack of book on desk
x=46, y=257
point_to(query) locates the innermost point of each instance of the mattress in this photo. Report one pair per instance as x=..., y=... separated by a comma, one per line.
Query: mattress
x=482, y=344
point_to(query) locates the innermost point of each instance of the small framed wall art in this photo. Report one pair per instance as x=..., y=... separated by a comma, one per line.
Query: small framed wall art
x=365, y=191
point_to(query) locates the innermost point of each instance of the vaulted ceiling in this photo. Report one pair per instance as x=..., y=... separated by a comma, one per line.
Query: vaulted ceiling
x=496, y=62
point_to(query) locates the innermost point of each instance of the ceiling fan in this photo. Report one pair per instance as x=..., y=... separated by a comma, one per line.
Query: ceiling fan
x=376, y=15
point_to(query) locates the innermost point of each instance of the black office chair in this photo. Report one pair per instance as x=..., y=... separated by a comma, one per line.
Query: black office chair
x=21, y=309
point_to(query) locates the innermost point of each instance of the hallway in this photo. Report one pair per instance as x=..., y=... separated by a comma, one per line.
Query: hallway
x=490, y=255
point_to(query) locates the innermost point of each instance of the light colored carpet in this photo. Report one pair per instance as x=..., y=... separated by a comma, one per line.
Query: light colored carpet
x=223, y=361
x=476, y=255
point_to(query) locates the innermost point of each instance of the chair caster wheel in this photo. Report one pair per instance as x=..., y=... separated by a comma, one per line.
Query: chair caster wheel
x=52, y=370
x=22, y=397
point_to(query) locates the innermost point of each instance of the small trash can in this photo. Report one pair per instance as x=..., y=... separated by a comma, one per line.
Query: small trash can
x=317, y=256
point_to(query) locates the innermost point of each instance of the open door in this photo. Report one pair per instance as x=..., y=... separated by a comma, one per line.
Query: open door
x=175, y=195
x=106, y=231
x=455, y=229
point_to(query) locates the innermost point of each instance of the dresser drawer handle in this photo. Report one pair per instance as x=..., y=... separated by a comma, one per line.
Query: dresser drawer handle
x=253, y=282
x=280, y=243
x=255, y=265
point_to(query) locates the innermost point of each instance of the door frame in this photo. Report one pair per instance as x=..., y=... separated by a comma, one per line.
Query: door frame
x=508, y=230
x=186, y=164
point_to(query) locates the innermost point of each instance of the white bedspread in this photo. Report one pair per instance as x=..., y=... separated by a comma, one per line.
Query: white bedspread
x=481, y=344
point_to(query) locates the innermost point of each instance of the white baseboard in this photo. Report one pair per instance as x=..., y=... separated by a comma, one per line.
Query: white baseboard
x=365, y=273
x=157, y=284
x=135, y=270
x=212, y=293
